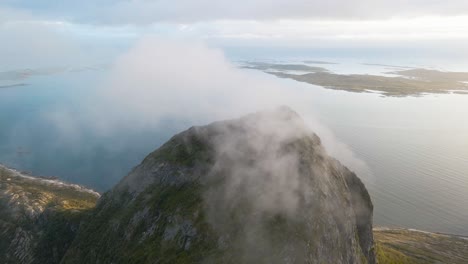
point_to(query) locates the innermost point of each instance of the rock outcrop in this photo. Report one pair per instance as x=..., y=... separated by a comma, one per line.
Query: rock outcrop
x=259, y=189
x=39, y=217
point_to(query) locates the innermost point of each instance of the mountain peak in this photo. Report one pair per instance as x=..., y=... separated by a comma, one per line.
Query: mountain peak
x=257, y=189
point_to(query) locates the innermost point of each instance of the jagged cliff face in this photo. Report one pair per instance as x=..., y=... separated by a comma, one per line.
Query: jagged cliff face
x=259, y=189
x=38, y=217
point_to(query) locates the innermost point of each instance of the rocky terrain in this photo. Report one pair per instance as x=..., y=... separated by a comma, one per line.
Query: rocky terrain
x=39, y=217
x=418, y=247
x=259, y=189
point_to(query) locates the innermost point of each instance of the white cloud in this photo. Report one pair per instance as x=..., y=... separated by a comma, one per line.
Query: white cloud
x=147, y=12
x=256, y=23
x=180, y=80
x=421, y=28
x=183, y=79
x=27, y=44
x=13, y=14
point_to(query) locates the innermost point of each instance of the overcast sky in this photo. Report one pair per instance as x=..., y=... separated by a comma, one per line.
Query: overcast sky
x=150, y=11
x=65, y=26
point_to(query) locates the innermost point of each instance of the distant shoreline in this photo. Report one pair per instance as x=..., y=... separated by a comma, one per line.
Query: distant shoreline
x=13, y=85
x=43, y=180
x=403, y=82
x=383, y=228
x=397, y=245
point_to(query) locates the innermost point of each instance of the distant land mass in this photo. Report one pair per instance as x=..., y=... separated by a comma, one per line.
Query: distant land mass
x=318, y=62
x=283, y=67
x=23, y=74
x=407, y=82
x=258, y=189
x=388, y=65
x=4, y=86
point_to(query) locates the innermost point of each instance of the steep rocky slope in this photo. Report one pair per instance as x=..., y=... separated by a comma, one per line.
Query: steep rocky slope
x=259, y=189
x=39, y=217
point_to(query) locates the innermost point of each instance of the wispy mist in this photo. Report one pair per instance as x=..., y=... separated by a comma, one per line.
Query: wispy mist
x=182, y=83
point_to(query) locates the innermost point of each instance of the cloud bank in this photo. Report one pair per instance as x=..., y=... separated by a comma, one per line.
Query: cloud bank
x=147, y=12
x=179, y=81
x=47, y=32
x=36, y=45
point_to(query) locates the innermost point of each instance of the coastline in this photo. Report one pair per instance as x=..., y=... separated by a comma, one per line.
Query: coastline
x=53, y=182
x=384, y=228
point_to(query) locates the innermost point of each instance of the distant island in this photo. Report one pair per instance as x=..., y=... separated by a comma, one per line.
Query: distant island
x=388, y=65
x=407, y=82
x=318, y=62
x=12, y=85
x=282, y=67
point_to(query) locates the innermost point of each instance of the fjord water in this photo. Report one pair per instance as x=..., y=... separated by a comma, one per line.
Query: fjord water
x=45, y=130
x=416, y=148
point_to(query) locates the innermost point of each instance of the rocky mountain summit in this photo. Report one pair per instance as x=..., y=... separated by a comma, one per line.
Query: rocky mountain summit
x=259, y=189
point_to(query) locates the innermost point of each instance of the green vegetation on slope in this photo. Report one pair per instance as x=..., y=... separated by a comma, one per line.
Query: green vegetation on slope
x=181, y=205
x=401, y=246
x=39, y=218
x=157, y=225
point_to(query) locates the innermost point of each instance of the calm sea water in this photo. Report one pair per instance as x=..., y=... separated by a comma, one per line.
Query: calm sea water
x=416, y=150
x=415, y=147
x=31, y=141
